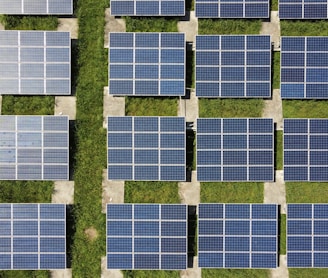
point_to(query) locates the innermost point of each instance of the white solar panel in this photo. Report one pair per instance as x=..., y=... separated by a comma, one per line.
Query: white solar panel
x=34, y=148
x=35, y=63
x=32, y=236
x=36, y=7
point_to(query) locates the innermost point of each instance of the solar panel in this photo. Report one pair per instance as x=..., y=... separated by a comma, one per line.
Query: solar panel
x=146, y=236
x=32, y=236
x=34, y=148
x=35, y=63
x=306, y=150
x=233, y=66
x=232, y=9
x=147, y=7
x=146, y=148
x=36, y=7
x=298, y=9
x=235, y=149
x=304, y=68
x=147, y=64
x=237, y=235
x=307, y=235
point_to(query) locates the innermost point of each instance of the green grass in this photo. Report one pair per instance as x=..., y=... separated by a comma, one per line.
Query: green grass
x=235, y=273
x=307, y=272
x=282, y=234
x=230, y=108
x=276, y=70
x=151, y=273
x=26, y=191
x=151, y=24
x=24, y=274
x=151, y=192
x=223, y=192
x=303, y=28
x=229, y=26
x=90, y=157
x=30, y=22
x=28, y=105
x=306, y=192
x=274, y=5
x=278, y=150
x=151, y=106
x=305, y=108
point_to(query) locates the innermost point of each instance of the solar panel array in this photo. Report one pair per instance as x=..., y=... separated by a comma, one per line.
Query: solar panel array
x=235, y=149
x=146, y=236
x=233, y=66
x=34, y=148
x=32, y=236
x=147, y=64
x=232, y=9
x=147, y=7
x=303, y=9
x=35, y=63
x=306, y=149
x=304, y=67
x=237, y=236
x=146, y=148
x=307, y=235
x=39, y=7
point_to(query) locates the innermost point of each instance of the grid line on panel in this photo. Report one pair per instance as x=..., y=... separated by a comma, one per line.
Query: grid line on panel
x=219, y=76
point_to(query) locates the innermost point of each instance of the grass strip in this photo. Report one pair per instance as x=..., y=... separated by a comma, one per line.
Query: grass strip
x=89, y=240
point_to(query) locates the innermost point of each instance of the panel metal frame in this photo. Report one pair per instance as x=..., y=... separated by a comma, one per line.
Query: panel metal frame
x=160, y=220
x=39, y=236
x=221, y=150
x=250, y=220
x=135, y=64
x=245, y=66
x=45, y=79
x=305, y=67
x=42, y=148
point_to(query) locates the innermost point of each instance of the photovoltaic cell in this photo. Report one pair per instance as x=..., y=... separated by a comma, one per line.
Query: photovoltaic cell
x=304, y=68
x=235, y=149
x=306, y=150
x=307, y=235
x=147, y=8
x=34, y=148
x=233, y=66
x=232, y=9
x=146, y=236
x=35, y=63
x=297, y=9
x=147, y=64
x=237, y=236
x=146, y=148
x=32, y=236
x=36, y=7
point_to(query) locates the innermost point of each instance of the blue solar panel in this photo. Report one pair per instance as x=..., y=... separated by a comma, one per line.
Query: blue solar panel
x=306, y=150
x=304, y=68
x=34, y=148
x=235, y=149
x=32, y=236
x=147, y=64
x=146, y=148
x=146, y=236
x=232, y=9
x=35, y=63
x=307, y=235
x=147, y=8
x=237, y=236
x=233, y=66
x=310, y=9
x=39, y=7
